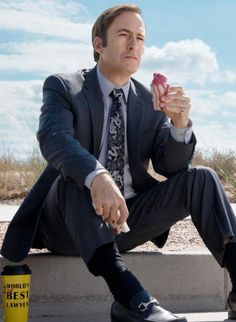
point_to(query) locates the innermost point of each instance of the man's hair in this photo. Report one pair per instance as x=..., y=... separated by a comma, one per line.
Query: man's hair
x=105, y=20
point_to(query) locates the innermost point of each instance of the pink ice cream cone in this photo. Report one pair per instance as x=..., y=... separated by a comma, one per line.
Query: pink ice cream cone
x=159, y=87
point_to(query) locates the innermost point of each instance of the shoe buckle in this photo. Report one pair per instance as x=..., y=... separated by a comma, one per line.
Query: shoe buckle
x=144, y=305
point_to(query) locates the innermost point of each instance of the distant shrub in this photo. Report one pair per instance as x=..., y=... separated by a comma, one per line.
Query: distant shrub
x=18, y=176
x=224, y=164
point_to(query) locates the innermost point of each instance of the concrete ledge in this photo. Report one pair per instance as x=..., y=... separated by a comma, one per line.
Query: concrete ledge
x=8, y=211
x=182, y=282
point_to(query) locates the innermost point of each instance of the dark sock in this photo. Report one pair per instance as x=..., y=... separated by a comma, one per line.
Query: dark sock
x=108, y=263
x=230, y=263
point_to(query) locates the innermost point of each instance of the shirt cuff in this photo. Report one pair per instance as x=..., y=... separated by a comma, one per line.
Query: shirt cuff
x=99, y=169
x=182, y=135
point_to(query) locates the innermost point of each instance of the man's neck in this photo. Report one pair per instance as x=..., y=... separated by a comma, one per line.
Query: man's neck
x=116, y=78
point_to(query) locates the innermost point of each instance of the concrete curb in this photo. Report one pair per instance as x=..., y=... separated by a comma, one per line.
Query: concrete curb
x=182, y=282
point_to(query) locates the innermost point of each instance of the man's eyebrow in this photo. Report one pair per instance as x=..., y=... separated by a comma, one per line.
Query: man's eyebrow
x=129, y=31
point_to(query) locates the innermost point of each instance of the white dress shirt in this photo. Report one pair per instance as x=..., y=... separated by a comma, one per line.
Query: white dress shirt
x=180, y=135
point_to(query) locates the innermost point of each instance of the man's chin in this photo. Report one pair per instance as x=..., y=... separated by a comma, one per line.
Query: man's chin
x=131, y=69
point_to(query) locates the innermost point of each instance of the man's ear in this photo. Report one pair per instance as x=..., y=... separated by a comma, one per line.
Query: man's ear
x=97, y=44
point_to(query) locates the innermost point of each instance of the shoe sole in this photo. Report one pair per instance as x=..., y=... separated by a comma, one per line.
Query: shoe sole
x=179, y=320
x=115, y=320
x=232, y=315
x=118, y=320
x=131, y=319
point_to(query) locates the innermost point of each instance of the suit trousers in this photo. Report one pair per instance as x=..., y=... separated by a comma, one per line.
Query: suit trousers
x=70, y=226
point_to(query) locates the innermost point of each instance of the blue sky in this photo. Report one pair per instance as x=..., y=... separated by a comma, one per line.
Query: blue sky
x=191, y=41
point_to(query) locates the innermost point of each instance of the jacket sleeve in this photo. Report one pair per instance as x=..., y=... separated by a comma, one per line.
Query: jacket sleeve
x=170, y=156
x=56, y=134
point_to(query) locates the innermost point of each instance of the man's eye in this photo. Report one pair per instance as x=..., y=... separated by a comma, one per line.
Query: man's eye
x=141, y=38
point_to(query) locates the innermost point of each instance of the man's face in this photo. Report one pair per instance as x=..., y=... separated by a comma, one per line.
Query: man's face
x=125, y=45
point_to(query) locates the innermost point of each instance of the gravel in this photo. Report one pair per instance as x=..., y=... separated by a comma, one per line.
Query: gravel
x=183, y=237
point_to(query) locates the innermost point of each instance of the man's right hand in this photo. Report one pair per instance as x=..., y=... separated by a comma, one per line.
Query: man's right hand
x=108, y=200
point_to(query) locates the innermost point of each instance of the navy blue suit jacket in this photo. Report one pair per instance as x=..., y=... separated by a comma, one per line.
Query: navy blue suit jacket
x=69, y=135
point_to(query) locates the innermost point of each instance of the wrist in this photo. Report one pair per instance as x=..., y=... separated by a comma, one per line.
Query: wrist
x=181, y=124
x=102, y=175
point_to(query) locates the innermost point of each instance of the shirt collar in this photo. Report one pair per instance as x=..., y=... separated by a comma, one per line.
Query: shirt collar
x=107, y=86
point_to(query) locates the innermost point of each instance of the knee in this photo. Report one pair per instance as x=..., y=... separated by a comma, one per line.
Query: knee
x=204, y=173
x=202, y=170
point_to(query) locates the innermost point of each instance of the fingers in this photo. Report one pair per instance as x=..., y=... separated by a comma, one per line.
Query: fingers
x=174, y=109
x=176, y=97
x=177, y=89
x=161, y=90
x=116, y=215
x=176, y=102
x=113, y=216
x=155, y=97
x=107, y=200
x=177, y=106
x=113, y=210
x=123, y=214
x=98, y=208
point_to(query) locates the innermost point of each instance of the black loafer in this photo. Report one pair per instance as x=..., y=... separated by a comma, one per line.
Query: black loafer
x=144, y=307
x=231, y=305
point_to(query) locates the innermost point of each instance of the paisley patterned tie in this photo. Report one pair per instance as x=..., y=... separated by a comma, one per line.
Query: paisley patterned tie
x=116, y=140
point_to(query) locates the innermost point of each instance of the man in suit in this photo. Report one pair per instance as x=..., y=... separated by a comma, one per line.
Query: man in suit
x=98, y=131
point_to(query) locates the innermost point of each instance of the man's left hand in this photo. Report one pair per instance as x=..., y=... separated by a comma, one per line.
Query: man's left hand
x=176, y=105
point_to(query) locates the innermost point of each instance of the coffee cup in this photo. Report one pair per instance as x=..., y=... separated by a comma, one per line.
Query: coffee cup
x=15, y=293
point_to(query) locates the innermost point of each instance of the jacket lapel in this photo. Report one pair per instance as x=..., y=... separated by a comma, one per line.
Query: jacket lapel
x=136, y=105
x=135, y=108
x=94, y=96
x=134, y=123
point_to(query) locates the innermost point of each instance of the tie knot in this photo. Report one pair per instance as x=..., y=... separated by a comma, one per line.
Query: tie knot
x=117, y=94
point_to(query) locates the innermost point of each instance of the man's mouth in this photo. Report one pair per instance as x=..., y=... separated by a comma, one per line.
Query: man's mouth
x=131, y=57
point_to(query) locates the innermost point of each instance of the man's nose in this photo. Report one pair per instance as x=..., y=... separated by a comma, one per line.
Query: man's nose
x=133, y=43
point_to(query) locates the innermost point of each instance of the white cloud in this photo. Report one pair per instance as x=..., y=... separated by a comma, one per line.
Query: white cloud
x=214, y=119
x=213, y=104
x=19, y=110
x=49, y=18
x=45, y=7
x=186, y=61
x=189, y=61
x=215, y=136
x=61, y=37
x=46, y=57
